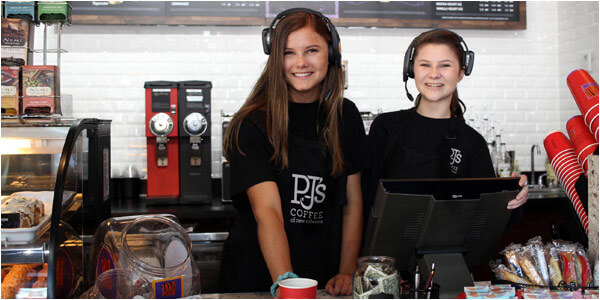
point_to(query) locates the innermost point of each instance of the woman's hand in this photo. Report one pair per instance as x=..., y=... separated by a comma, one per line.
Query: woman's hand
x=340, y=284
x=521, y=196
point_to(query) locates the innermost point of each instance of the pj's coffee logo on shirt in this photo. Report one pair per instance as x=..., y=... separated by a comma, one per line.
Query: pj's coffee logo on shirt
x=455, y=159
x=308, y=191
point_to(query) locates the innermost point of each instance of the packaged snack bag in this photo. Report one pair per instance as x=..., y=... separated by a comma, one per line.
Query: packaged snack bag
x=502, y=272
x=583, y=265
x=527, y=264
x=554, y=268
x=512, y=261
x=537, y=248
x=568, y=257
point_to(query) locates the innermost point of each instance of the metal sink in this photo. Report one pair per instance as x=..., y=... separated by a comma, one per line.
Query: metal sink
x=539, y=192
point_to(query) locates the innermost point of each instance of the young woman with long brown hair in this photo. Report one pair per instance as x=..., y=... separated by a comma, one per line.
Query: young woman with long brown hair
x=296, y=148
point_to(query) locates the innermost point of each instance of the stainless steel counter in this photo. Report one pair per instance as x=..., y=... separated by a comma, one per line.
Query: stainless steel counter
x=546, y=193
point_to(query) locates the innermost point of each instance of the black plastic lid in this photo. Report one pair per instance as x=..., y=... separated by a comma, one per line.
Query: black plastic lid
x=195, y=84
x=160, y=84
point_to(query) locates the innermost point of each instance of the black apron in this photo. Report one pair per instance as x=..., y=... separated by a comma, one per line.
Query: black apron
x=312, y=205
x=402, y=162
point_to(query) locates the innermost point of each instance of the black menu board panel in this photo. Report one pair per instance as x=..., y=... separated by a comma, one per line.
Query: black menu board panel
x=389, y=10
x=476, y=10
x=328, y=8
x=119, y=8
x=216, y=8
x=415, y=14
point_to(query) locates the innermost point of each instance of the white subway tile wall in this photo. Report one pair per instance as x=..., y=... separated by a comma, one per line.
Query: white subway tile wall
x=518, y=82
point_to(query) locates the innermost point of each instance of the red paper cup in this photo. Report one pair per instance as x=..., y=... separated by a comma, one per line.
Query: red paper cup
x=555, y=143
x=569, y=182
x=298, y=288
x=567, y=158
x=585, y=91
x=582, y=140
x=591, y=115
x=568, y=170
x=594, y=124
x=568, y=167
x=563, y=165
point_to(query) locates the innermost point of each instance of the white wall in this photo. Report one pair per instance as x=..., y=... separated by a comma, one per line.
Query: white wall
x=577, y=36
x=518, y=79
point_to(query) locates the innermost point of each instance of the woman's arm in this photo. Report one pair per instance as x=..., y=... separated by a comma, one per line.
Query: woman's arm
x=481, y=166
x=351, y=238
x=266, y=206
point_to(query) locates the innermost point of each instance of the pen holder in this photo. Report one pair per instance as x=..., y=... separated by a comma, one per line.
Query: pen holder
x=408, y=291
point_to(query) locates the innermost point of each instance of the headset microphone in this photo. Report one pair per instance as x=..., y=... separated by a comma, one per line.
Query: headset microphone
x=410, y=97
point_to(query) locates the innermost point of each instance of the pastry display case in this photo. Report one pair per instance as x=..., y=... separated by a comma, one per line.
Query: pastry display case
x=55, y=191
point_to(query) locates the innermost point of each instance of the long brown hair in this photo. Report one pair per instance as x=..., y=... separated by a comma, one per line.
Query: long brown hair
x=270, y=95
x=453, y=41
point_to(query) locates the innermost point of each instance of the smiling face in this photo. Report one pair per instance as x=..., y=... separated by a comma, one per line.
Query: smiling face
x=437, y=70
x=305, y=64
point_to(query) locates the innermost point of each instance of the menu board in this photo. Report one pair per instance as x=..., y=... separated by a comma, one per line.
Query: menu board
x=417, y=14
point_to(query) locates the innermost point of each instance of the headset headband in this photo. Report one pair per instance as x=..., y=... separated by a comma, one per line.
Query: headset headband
x=335, y=56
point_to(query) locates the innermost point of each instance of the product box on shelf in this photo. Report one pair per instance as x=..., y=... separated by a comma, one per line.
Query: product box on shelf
x=17, y=33
x=19, y=9
x=54, y=11
x=16, y=56
x=41, y=90
x=10, y=91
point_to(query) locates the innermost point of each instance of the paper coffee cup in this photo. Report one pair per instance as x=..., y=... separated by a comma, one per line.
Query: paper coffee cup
x=584, y=89
x=298, y=288
x=582, y=140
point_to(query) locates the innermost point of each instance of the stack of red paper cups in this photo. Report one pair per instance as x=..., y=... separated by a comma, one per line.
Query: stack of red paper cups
x=585, y=91
x=582, y=139
x=563, y=159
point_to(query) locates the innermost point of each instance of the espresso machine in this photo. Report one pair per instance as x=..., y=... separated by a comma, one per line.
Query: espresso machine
x=194, y=142
x=162, y=145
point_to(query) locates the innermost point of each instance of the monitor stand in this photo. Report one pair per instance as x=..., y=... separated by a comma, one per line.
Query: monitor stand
x=451, y=273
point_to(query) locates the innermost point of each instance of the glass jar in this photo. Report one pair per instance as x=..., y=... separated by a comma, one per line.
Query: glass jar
x=375, y=277
x=119, y=284
x=154, y=247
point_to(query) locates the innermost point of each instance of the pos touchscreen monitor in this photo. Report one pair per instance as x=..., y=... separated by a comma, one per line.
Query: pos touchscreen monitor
x=455, y=223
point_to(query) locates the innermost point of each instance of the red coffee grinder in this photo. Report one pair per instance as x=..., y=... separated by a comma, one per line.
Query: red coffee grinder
x=162, y=144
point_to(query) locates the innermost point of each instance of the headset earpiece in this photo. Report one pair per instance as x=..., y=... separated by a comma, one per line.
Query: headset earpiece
x=407, y=71
x=266, y=40
x=468, y=63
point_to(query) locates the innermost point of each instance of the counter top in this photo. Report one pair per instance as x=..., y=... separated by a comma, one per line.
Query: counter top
x=215, y=209
x=321, y=294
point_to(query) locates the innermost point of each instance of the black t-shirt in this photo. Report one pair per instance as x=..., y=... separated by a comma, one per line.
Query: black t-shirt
x=254, y=167
x=425, y=136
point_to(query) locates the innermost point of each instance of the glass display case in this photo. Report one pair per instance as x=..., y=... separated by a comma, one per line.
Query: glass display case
x=55, y=190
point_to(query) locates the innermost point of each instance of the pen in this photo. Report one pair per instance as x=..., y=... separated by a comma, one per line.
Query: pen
x=417, y=275
x=429, y=284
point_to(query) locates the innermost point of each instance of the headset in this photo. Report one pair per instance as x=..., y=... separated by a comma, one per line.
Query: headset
x=468, y=58
x=335, y=55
